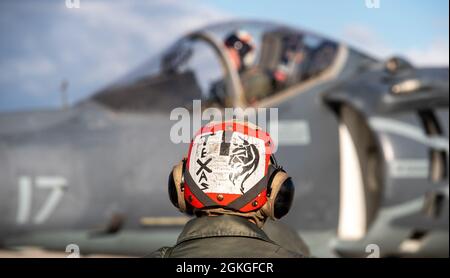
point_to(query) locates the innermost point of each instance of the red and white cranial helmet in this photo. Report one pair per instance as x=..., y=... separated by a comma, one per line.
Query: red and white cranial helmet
x=227, y=166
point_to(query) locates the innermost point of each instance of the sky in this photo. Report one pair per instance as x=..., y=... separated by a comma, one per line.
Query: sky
x=45, y=42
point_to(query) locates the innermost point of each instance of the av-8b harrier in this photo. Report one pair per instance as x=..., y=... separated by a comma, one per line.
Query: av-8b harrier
x=365, y=140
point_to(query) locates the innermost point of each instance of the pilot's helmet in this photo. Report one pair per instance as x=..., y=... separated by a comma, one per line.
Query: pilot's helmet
x=230, y=169
x=242, y=42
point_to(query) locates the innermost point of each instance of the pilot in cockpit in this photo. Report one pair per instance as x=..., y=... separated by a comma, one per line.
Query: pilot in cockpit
x=276, y=69
x=241, y=50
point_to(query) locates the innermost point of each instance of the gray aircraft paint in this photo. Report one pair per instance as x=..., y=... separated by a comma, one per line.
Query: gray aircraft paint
x=293, y=132
x=409, y=131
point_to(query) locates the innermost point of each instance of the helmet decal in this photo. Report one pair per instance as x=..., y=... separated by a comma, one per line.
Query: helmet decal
x=219, y=171
x=225, y=162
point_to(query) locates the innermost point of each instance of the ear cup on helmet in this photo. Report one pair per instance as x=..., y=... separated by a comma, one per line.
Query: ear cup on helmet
x=176, y=194
x=175, y=189
x=172, y=190
x=280, y=195
x=283, y=201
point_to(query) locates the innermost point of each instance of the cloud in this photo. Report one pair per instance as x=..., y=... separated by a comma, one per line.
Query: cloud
x=366, y=39
x=137, y=28
x=26, y=67
x=90, y=46
x=435, y=54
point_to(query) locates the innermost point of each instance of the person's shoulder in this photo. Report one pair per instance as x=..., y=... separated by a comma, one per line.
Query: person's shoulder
x=284, y=253
x=286, y=237
x=162, y=252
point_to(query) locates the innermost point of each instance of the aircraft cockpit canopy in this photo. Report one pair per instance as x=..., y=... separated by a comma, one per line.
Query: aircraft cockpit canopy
x=230, y=64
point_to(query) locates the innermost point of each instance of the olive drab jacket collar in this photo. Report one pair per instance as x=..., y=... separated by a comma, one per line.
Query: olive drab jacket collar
x=217, y=226
x=224, y=236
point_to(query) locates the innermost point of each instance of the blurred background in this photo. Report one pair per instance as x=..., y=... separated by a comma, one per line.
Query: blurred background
x=46, y=45
x=87, y=89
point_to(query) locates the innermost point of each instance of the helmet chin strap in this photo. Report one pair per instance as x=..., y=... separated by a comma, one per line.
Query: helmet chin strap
x=257, y=217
